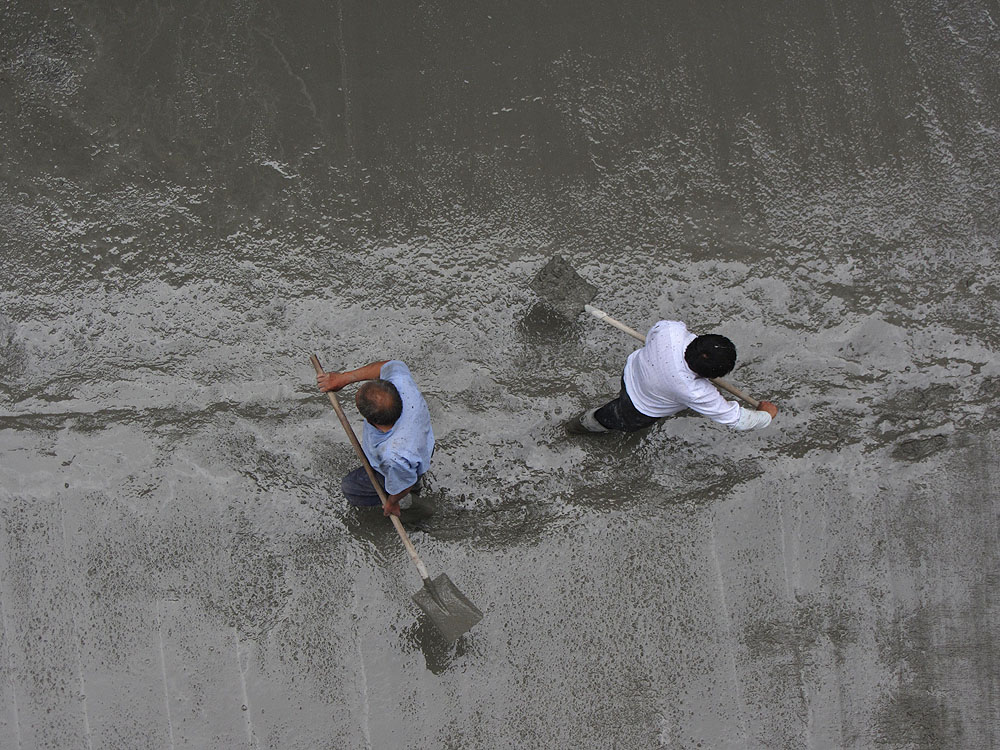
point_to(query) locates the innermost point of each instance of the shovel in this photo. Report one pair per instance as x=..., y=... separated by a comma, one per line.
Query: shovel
x=447, y=607
x=565, y=291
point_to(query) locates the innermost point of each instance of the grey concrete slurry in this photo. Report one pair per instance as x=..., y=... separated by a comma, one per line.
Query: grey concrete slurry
x=195, y=196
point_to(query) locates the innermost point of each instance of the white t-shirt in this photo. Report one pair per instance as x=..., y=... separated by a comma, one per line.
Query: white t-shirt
x=660, y=383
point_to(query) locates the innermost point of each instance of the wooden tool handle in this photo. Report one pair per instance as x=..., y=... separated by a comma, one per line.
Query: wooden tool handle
x=335, y=402
x=601, y=315
x=718, y=382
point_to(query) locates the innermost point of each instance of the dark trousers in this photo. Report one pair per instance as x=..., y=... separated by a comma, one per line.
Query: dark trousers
x=621, y=414
x=360, y=492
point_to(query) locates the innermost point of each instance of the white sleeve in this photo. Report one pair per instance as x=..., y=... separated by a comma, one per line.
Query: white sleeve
x=708, y=401
x=752, y=419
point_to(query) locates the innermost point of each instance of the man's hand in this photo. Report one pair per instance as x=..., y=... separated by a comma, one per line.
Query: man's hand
x=769, y=408
x=391, y=507
x=332, y=381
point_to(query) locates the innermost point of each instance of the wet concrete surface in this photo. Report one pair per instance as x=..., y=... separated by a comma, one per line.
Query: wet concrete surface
x=197, y=195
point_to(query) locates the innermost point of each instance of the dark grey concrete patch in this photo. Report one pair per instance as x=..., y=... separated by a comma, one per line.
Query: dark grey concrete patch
x=919, y=448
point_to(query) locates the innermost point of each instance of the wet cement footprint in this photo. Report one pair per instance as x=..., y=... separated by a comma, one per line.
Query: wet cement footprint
x=919, y=448
x=914, y=410
x=989, y=389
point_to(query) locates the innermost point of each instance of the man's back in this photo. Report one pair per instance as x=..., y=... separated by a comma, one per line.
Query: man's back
x=660, y=382
x=404, y=452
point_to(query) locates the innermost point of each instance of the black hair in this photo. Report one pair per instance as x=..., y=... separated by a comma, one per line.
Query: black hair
x=711, y=355
x=379, y=402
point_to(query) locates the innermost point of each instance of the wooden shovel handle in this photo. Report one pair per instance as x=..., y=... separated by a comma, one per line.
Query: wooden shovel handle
x=335, y=402
x=718, y=382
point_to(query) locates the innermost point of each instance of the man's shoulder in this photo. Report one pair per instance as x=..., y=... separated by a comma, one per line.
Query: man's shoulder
x=702, y=391
x=397, y=373
x=671, y=326
x=394, y=367
x=668, y=336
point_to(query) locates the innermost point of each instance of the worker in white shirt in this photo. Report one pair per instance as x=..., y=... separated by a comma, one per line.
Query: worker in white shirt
x=670, y=373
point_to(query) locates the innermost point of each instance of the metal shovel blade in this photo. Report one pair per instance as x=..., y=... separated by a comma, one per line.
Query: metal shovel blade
x=562, y=288
x=449, y=609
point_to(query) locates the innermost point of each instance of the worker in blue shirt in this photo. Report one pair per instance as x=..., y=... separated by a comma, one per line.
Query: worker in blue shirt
x=397, y=436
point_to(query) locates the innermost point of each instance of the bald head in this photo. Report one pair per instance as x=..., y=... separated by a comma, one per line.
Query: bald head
x=379, y=402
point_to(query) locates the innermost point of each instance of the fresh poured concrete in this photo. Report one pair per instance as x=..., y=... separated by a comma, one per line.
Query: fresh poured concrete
x=195, y=196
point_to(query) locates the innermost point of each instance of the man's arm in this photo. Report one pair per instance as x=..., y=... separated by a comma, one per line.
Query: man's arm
x=712, y=404
x=334, y=381
x=401, y=474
